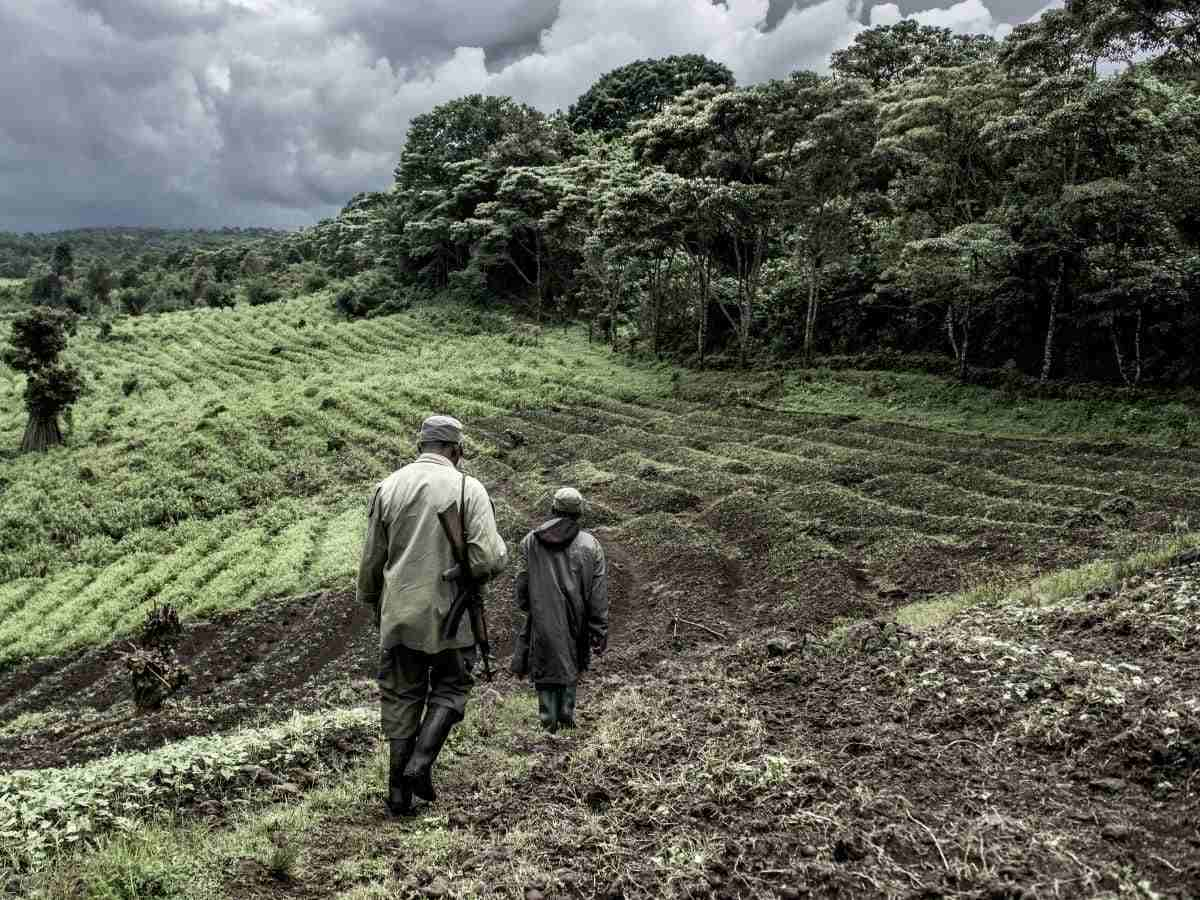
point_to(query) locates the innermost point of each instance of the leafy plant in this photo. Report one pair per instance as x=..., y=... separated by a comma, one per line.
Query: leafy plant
x=152, y=664
x=51, y=386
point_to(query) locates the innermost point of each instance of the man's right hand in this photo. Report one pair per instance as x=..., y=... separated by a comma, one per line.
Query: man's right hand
x=599, y=644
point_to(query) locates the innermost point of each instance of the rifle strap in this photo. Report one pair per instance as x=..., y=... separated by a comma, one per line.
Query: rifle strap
x=462, y=524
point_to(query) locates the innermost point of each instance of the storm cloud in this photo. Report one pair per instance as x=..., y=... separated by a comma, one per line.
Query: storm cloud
x=202, y=113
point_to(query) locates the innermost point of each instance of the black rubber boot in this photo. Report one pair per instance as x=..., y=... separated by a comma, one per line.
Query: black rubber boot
x=399, y=798
x=566, y=708
x=549, y=706
x=418, y=774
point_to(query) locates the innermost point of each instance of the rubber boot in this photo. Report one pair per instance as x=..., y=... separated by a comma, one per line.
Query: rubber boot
x=418, y=774
x=549, y=704
x=399, y=798
x=566, y=709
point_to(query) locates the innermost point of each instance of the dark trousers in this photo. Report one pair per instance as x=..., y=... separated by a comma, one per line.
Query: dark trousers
x=410, y=680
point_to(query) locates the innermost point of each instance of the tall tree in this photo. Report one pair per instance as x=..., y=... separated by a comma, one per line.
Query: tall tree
x=1168, y=31
x=1056, y=140
x=454, y=158
x=51, y=386
x=887, y=54
x=832, y=126
x=959, y=272
x=641, y=89
x=99, y=281
x=63, y=262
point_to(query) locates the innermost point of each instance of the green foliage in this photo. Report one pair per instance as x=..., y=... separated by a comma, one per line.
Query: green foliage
x=99, y=281
x=374, y=293
x=217, y=296
x=1168, y=31
x=45, y=812
x=152, y=664
x=640, y=89
x=51, y=386
x=63, y=264
x=687, y=216
x=134, y=300
x=887, y=54
x=37, y=339
x=261, y=291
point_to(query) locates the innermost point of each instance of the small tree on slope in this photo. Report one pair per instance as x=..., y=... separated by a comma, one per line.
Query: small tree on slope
x=38, y=337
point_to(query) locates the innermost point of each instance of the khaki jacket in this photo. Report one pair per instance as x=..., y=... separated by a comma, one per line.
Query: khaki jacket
x=406, y=552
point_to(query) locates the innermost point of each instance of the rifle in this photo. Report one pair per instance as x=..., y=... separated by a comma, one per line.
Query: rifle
x=468, y=599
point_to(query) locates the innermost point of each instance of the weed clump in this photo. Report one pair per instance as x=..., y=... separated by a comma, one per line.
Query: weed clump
x=154, y=669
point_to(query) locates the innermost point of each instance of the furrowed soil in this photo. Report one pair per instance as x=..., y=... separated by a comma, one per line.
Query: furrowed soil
x=734, y=740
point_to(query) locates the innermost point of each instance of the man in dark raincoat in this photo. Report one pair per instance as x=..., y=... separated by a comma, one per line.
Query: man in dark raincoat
x=563, y=590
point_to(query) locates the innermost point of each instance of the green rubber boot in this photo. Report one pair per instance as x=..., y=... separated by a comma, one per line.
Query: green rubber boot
x=399, y=798
x=549, y=704
x=418, y=774
x=566, y=710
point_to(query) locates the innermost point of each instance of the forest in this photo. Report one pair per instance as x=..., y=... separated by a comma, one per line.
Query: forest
x=1015, y=211
x=1027, y=205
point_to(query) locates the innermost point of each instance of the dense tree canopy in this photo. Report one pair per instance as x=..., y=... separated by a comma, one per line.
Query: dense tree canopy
x=936, y=192
x=641, y=89
x=1007, y=206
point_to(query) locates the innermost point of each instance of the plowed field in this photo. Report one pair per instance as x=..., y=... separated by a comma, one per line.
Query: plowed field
x=743, y=736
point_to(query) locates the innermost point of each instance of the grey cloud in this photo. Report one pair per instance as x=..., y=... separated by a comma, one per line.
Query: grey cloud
x=1010, y=11
x=412, y=32
x=152, y=19
x=274, y=112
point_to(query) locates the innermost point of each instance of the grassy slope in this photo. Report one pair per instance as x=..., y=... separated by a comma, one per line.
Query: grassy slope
x=223, y=457
x=236, y=469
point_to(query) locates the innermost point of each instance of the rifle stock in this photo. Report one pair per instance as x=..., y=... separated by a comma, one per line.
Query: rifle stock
x=468, y=599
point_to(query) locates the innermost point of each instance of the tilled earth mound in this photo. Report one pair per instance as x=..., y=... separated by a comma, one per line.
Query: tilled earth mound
x=253, y=665
x=1015, y=752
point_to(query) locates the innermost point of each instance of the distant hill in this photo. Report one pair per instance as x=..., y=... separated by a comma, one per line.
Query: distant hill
x=119, y=246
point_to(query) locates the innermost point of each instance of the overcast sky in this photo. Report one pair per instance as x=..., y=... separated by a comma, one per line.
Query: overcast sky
x=202, y=113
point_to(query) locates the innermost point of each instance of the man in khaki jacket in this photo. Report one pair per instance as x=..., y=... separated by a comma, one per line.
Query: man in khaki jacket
x=401, y=577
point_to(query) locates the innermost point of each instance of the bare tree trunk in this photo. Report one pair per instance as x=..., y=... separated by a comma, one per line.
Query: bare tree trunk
x=950, y=332
x=1116, y=345
x=540, y=286
x=966, y=342
x=41, y=433
x=1137, y=349
x=1048, y=353
x=810, y=319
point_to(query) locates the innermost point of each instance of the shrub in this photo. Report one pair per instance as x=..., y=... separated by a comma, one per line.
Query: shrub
x=315, y=281
x=155, y=672
x=217, y=295
x=374, y=293
x=261, y=291
x=134, y=300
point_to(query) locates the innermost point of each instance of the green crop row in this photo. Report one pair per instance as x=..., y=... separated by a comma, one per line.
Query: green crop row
x=44, y=812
